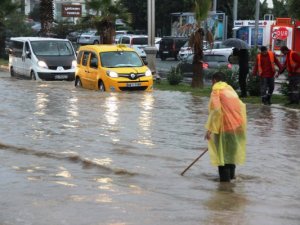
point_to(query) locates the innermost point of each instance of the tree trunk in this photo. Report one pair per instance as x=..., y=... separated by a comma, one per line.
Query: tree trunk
x=196, y=41
x=2, y=40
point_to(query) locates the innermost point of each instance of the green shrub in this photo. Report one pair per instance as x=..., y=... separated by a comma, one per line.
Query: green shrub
x=231, y=77
x=253, y=85
x=174, y=76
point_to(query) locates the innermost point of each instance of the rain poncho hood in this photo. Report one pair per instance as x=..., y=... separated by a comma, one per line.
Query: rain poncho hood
x=227, y=122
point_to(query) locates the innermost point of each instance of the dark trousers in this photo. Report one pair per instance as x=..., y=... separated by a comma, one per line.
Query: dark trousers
x=266, y=89
x=226, y=172
x=293, y=89
x=242, y=83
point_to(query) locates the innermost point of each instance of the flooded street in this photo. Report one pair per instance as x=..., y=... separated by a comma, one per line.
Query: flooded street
x=80, y=157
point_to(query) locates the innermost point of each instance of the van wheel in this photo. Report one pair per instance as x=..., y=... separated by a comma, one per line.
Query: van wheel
x=96, y=42
x=163, y=58
x=78, y=82
x=101, y=86
x=32, y=76
x=12, y=72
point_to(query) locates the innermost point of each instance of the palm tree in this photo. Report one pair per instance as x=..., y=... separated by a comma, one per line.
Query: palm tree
x=6, y=8
x=46, y=16
x=106, y=13
x=201, y=10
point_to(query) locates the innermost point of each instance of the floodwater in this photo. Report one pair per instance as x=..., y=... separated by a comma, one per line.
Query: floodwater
x=80, y=157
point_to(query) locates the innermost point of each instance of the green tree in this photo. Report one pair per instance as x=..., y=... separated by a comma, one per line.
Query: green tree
x=294, y=9
x=279, y=9
x=201, y=10
x=46, y=16
x=6, y=8
x=163, y=10
x=106, y=13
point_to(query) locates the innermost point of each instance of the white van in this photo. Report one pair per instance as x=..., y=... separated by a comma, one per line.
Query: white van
x=137, y=42
x=40, y=58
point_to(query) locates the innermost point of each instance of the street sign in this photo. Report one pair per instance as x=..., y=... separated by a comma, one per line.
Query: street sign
x=281, y=33
x=71, y=10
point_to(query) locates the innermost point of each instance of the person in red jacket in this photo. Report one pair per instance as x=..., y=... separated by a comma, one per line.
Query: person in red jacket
x=292, y=64
x=265, y=68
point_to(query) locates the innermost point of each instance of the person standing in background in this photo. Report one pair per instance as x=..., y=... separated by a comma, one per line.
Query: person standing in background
x=292, y=64
x=265, y=68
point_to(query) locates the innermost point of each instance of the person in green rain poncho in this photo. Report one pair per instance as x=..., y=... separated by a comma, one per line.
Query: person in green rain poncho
x=226, y=128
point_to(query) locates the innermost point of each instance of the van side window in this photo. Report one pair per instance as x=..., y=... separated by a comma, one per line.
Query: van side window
x=79, y=57
x=17, y=48
x=93, y=61
x=85, y=58
x=125, y=40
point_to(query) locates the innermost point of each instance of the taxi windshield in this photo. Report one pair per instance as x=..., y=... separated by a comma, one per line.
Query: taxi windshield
x=120, y=59
x=52, y=48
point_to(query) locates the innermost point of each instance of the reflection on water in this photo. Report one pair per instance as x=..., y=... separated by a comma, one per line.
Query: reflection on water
x=226, y=206
x=74, y=156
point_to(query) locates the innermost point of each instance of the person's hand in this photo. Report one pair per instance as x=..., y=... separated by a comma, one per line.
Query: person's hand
x=276, y=74
x=207, y=135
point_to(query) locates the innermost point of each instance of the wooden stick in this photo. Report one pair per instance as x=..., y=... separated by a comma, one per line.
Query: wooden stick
x=194, y=161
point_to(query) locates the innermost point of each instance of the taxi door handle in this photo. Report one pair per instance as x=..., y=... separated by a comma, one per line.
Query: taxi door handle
x=87, y=71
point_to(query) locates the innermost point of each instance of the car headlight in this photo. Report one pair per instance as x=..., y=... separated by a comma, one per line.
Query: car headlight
x=112, y=74
x=42, y=64
x=148, y=73
x=74, y=64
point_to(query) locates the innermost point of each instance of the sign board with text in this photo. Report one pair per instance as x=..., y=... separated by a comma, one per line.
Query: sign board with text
x=71, y=10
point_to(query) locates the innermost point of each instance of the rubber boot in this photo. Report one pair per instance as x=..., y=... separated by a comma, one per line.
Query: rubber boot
x=268, y=99
x=232, y=170
x=224, y=173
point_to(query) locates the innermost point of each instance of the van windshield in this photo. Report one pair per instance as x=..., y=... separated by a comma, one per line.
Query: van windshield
x=52, y=48
x=120, y=59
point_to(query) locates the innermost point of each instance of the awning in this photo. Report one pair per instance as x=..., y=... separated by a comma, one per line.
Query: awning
x=236, y=28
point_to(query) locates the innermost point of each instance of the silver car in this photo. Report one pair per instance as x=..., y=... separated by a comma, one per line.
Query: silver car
x=90, y=37
x=211, y=63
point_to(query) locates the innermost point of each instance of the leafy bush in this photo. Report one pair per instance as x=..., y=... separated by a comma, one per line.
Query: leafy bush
x=231, y=77
x=174, y=76
x=253, y=85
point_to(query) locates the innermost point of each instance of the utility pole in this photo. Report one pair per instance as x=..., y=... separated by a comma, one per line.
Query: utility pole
x=235, y=6
x=151, y=49
x=214, y=5
x=256, y=23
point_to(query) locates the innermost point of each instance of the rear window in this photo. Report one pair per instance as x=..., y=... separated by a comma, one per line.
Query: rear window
x=139, y=41
x=214, y=58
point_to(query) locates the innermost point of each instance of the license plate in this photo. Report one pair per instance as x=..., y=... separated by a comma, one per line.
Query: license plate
x=165, y=52
x=133, y=84
x=60, y=77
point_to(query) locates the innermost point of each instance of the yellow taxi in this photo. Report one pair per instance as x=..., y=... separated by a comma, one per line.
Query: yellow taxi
x=111, y=68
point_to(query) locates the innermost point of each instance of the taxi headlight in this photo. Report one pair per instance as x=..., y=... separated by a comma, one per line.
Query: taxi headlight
x=42, y=64
x=74, y=64
x=148, y=73
x=112, y=74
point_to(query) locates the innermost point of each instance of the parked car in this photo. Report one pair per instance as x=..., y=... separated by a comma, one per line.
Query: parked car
x=137, y=42
x=40, y=58
x=169, y=46
x=211, y=63
x=112, y=68
x=186, y=50
x=219, y=48
x=73, y=36
x=90, y=37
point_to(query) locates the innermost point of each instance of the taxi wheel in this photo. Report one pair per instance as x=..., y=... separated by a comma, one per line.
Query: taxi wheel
x=96, y=42
x=78, y=82
x=32, y=76
x=101, y=86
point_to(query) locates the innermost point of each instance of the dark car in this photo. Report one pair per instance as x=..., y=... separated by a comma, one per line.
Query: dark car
x=170, y=46
x=211, y=63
